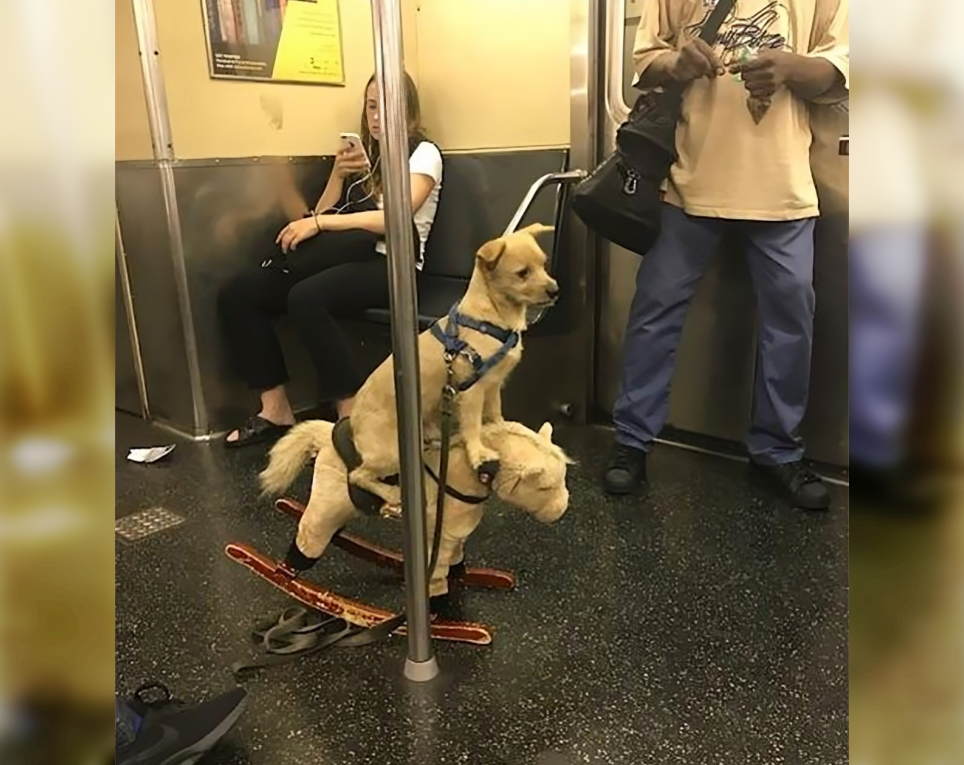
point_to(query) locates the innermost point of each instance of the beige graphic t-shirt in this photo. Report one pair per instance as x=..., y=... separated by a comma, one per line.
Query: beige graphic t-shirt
x=729, y=166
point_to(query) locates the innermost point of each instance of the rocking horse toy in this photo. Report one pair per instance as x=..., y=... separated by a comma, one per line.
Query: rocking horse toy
x=531, y=476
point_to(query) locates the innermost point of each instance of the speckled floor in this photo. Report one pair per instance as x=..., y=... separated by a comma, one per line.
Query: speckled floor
x=700, y=623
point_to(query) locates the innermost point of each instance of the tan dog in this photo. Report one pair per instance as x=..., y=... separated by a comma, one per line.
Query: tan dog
x=509, y=276
x=532, y=478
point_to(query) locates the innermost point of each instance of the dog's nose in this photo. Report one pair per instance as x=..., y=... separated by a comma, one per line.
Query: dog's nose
x=552, y=290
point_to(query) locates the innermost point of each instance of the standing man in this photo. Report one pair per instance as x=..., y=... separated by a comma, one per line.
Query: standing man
x=743, y=144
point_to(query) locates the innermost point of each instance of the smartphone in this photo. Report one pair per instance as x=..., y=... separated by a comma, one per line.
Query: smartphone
x=351, y=141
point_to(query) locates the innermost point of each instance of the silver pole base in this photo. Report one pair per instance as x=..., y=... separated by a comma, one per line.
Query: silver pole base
x=421, y=671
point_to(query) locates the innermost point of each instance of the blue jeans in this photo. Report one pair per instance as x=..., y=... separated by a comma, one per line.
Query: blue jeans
x=887, y=269
x=780, y=257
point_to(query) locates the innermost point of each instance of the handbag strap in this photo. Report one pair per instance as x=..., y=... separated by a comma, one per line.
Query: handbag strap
x=715, y=20
x=654, y=116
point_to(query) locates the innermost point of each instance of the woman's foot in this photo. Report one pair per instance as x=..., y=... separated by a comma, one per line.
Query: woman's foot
x=256, y=430
x=273, y=421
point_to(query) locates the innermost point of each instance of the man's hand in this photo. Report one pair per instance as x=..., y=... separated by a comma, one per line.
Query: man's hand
x=765, y=73
x=296, y=232
x=807, y=76
x=695, y=59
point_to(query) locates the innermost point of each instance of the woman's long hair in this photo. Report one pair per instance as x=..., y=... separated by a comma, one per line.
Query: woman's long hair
x=416, y=133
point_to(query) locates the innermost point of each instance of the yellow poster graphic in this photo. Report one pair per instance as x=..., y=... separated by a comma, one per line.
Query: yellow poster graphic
x=310, y=45
x=275, y=40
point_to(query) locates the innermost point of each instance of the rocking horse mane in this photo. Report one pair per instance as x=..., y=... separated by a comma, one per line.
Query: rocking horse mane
x=506, y=427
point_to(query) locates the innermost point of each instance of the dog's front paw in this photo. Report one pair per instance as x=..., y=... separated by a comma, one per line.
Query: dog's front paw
x=393, y=502
x=392, y=512
x=391, y=494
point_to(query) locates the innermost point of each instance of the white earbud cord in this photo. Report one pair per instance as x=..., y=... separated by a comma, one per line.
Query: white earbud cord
x=348, y=203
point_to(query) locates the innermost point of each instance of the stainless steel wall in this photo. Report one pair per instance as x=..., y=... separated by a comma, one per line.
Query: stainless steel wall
x=141, y=212
x=826, y=425
x=126, y=396
x=130, y=394
x=712, y=387
x=231, y=212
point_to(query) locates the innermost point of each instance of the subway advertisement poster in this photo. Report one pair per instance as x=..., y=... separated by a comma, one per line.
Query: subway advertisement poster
x=275, y=40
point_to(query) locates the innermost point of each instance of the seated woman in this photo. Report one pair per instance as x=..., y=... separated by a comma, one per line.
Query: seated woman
x=329, y=265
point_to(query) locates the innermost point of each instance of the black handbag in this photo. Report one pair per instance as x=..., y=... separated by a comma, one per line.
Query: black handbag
x=621, y=199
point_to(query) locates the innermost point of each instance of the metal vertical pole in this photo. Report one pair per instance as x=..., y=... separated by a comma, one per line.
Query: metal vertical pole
x=389, y=67
x=159, y=120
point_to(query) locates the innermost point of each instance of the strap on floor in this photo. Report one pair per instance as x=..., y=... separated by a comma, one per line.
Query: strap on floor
x=297, y=632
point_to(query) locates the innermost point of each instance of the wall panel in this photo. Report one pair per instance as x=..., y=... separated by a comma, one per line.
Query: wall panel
x=495, y=73
x=132, y=132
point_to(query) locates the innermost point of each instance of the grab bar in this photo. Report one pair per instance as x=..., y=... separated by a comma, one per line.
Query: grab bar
x=613, y=55
x=551, y=179
x=562, y=180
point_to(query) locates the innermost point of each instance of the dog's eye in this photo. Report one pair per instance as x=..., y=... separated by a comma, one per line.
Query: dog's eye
x=522, y=273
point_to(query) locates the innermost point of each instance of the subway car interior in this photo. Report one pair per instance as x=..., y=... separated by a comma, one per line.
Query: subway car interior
x=703, y=619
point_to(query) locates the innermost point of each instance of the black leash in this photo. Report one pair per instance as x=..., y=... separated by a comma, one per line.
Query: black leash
x=298, y=632
x=447, y=410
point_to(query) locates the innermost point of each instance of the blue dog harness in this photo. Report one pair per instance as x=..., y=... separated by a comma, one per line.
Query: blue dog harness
x=455, y=346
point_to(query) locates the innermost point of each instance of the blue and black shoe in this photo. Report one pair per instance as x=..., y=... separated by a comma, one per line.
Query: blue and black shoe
x=151, y=728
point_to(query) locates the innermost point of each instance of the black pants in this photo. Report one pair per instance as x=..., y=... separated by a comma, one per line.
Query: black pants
x=334, y=275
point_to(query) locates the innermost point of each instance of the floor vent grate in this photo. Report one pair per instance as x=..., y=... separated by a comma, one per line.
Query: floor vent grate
x=146, y=523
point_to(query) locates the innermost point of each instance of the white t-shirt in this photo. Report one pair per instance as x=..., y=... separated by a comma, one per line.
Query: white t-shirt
x=425, y=160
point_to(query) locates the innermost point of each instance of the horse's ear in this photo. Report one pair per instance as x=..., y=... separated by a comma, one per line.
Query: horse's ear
x=536, y=229
x=535, y=470
x=546, y=432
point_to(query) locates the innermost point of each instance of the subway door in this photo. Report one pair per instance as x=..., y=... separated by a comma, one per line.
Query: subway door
x=713, y=382
x=826, y=426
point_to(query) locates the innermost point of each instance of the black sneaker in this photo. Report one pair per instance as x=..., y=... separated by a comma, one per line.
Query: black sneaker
x=626, y=471
x=797, y=484
x=167, y=732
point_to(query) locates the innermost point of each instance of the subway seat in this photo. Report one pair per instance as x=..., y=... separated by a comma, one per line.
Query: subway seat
x=462, y=225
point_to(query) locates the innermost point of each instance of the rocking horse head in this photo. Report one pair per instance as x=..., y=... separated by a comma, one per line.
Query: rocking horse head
x=532, y=469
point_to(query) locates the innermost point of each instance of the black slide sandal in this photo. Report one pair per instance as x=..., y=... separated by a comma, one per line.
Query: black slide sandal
x=256, y=430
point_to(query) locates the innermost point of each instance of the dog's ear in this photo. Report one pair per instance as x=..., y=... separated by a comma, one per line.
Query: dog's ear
x=537, y=228
x=491, y=253
x=545, y=432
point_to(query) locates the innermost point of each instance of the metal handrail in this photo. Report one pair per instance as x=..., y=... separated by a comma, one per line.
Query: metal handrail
x=613, y=54
x=551, y=179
